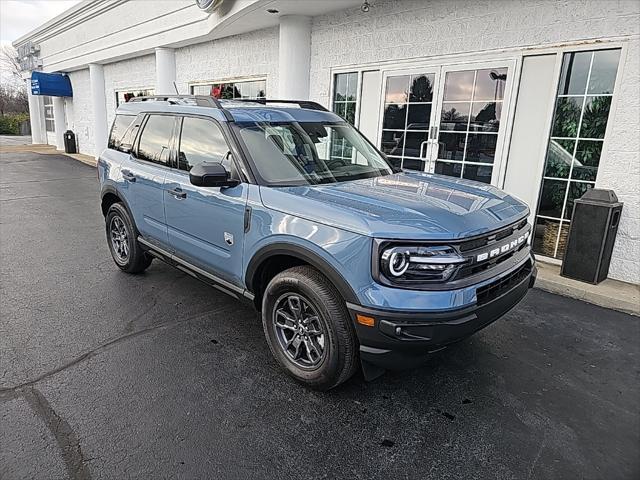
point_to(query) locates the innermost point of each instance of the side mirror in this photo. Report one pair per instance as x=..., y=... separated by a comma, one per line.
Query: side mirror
x=207, y=174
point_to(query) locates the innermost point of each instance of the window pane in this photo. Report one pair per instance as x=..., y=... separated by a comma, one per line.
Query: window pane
x=485, y=117
x=120, y=125
x=392, y=143
x=481, y=147
x=201, y=141
x=451, y=146
x=585, y=165
x=419, y=116
x=603, y=71
x=413, y=164
x=552, y=198
x=479, y=173
x=340, y=93
x=350, y=113
x=576, y=190
x=340, y=109
x=455, y=116
x=413, y=143
x=352, y=86
x=421, y=88
x=594, y=119
x=154, y=142
x=490, y=84
x=559, y=157
x=567, y=116
x=394, y=116
x=458, y=85
x=397, y=88
x=449, y=169
x=575, y=70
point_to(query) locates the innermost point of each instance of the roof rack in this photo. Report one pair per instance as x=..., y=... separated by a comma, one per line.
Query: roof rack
x=302, y=103
x=201, y=101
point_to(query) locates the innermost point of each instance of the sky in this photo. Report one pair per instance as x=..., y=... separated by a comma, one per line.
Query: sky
x=18, y=17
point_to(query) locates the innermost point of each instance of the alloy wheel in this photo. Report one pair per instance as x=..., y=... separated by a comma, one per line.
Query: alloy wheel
x=119, y=239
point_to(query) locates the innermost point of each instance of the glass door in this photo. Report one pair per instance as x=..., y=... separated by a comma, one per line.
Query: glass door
x=407, y=117
x=471, y=115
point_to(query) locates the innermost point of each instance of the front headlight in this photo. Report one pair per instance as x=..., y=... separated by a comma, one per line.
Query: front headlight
x=417, y=264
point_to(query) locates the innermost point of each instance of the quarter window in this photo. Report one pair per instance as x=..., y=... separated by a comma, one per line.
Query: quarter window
x=155, y=139
x=120, y=125
x=201, y=140
x=250, y=89
x=577, y=135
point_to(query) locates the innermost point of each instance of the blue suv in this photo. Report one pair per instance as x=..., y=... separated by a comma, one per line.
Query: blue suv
x=283, y=204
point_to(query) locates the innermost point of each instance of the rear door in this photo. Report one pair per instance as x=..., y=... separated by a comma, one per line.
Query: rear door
x=144, y=176
x=205, y=224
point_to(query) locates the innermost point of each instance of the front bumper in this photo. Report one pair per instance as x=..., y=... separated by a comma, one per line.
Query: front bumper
x=404, y=339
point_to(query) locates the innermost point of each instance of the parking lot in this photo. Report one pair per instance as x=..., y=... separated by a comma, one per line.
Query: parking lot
x=109, y=376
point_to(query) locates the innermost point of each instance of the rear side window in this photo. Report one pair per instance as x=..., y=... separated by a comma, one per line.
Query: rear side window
x=155, y=139
x=201, y=140
x=118, y=129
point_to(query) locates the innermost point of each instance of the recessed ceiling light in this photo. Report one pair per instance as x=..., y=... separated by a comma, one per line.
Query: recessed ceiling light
x=272, y=10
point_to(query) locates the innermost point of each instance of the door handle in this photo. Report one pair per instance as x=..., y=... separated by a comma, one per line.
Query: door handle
x=177, y=193
x=128, y=176
x=426, y=142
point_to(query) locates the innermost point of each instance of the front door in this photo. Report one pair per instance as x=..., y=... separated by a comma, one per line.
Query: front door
x=447, y=119
x=205, y=224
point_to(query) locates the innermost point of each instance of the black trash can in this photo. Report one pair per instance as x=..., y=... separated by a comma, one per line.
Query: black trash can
x=70, y=142
x=594, y=225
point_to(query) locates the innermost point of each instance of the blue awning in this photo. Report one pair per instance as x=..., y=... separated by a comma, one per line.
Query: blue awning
x=52, y=84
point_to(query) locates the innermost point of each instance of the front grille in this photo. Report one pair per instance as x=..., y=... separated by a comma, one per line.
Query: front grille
x=494, y=289
x=491, y=237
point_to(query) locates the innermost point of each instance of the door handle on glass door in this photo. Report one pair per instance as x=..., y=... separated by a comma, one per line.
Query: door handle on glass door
x=426, y=142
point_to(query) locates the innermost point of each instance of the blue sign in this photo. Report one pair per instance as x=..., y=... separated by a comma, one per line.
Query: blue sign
x=52, y=84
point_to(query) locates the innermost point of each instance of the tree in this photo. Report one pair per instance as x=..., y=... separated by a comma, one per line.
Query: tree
x=13, y=91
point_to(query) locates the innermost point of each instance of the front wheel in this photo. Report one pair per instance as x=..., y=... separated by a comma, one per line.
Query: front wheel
x=308, y=328
x=124, y=246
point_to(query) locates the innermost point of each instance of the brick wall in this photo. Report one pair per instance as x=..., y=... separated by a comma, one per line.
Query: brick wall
x=79, y=111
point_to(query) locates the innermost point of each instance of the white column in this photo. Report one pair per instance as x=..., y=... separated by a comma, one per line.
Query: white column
x=59, y=121
x=165, y=71
x=99, y=104
x=294, y=57
x=36, y=114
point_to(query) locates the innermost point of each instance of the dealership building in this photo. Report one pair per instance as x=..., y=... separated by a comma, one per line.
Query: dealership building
x=538, y=97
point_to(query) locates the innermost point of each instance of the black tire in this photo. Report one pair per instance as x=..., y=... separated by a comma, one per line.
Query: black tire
x=339, y=359
x=126, y=251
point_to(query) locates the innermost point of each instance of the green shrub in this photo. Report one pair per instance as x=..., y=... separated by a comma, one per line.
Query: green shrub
x=10, y=123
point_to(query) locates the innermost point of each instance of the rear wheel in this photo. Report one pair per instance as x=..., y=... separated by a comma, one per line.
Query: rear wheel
x=308, y=328
x=122, y=241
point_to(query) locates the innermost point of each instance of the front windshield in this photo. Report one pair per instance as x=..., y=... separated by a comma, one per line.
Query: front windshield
x=308, y=153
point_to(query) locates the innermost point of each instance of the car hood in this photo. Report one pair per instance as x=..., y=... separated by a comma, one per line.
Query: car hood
x=403, y=206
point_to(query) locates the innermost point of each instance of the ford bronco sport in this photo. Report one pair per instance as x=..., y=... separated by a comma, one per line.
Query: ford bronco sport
x=287, y=206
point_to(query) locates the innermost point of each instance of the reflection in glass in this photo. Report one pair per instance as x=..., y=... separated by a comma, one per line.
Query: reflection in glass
x=594, y=118
x=451, y=146
x=350, y=112
x=413, y=164
x=485, y=117
x=585, y=165
x=419, y=116
x=481, y=147
x=455, y=116
x=397, y=88
x=547, y=234
x=394, y=116
x=413, y=143
x=552, y=197
x=575, y=71
x=567, y=116
x=352, y=86
x=490, y=84
x=392, y=143
x=458, y=85
x=576, y=190
x=559, y=158
x=479, y=173
x=449, y=169
x=603, y=71
x=421, y=88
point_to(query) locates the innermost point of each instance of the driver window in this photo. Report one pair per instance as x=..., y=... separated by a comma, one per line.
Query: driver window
x=201, y=140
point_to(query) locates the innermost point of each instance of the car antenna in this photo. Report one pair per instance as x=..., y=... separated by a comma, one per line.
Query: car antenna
x=176, y=87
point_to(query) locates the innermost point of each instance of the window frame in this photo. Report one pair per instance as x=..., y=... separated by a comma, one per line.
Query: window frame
x=126, y=90
x=262, y=78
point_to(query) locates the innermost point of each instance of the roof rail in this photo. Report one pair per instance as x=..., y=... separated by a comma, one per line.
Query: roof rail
x=302, y=103
x=201, y=101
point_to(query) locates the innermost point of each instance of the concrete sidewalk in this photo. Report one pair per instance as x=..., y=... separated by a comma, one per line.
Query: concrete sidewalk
x=17, y=147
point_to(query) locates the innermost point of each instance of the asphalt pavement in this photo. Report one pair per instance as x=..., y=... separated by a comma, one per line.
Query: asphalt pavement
x=104, y=375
